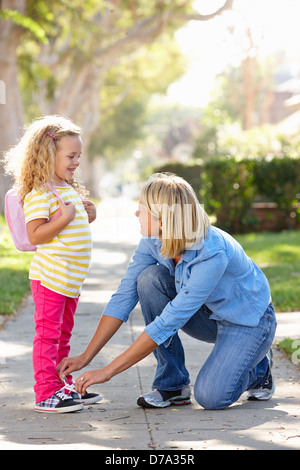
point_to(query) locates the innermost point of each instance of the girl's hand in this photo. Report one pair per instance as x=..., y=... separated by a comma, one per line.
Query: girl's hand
x=68, y=210
x=90, y=378
x=71, y=364
x=91, y=210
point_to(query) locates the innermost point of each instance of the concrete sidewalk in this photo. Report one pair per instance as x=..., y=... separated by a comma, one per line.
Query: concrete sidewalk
x=117, y=422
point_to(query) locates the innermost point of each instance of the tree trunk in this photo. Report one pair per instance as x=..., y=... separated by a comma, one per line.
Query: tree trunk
x=249, y=66
x=11, y=112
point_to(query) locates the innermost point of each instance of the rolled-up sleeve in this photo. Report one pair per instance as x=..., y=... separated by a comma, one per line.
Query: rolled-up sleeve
x=205, y=276
x=124, y=300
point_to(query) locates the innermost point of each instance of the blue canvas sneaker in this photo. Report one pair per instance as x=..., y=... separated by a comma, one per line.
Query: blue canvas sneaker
x=87, y=399
x=58, y=403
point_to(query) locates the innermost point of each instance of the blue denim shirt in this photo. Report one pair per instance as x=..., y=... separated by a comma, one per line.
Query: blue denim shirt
x=215, y=272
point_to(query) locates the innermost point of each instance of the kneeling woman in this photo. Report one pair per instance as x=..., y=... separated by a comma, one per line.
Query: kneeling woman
x=191, y=276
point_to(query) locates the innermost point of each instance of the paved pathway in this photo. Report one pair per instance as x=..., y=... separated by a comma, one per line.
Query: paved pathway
x=116, y=422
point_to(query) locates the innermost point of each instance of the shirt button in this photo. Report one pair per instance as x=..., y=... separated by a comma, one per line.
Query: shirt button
x=186, y=291
x=177, y=282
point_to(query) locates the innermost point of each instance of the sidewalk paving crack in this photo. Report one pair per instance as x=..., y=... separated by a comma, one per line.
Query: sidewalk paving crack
x=152, y=442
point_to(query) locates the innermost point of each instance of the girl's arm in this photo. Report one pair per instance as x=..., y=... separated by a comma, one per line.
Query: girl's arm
x=40, y=231
x=141, y=348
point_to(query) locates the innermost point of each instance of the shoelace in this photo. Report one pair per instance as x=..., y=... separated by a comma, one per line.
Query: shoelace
x=70, y=388
x=62, y=396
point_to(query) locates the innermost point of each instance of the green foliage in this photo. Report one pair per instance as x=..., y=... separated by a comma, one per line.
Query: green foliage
x=271, y=162
x=278, y=180
x=228, y=192
x=25, y=22
x=14, y=268
x=278, y=255
x=206, y=144
x=290, y=346
x=120, y=130
x=228, y=187
x=105, y=38
x=191, y=172
x=126, y=91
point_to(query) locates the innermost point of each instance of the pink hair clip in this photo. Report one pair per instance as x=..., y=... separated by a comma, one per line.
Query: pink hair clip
x=51, y=135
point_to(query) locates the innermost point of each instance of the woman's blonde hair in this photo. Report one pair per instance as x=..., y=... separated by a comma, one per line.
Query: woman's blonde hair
x=172, y=200
x=32, y=161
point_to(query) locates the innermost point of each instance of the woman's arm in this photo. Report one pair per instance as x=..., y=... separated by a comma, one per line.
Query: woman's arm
x=116, y=312
x=141, y=348
x=107, y=327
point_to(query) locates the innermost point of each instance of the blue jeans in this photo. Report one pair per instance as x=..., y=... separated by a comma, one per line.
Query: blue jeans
x=238, y=361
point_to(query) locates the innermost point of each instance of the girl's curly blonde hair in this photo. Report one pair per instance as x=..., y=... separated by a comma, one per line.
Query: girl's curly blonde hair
x=32, y=161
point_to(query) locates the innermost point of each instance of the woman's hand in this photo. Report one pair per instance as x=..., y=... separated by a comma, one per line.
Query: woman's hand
x=90, y=378
x=106, y=329
x=71, y=364
x=141, y=348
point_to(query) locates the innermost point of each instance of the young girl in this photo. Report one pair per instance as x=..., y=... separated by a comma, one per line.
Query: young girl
x=47, y=157
x=188, y=275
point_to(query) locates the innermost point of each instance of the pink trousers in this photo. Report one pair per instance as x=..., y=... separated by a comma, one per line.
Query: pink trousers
x=54, y=320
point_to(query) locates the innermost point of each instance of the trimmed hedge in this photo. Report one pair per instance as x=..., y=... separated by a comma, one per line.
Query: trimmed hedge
x=229, y=187
x=190, y=171
x=227, y=192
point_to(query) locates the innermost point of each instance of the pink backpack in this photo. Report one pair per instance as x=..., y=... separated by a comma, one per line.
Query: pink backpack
x=15, y=218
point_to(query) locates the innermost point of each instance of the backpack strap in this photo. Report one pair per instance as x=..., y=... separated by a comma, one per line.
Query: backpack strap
x=56, y=193
x=53, y=190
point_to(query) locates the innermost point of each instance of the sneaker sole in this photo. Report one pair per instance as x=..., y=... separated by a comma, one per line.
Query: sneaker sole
x=144, y=404
x=252, y=397
x=90, y=401
x=67, y=409
x=260, y=398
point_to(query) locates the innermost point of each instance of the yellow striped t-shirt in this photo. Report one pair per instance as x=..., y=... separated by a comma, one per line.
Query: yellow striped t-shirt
x=62, y=264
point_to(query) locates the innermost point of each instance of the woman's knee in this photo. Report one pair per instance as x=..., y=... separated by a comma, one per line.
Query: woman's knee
x=211, y=401
x=211, y=397
x=146, y=277
x=152, y=277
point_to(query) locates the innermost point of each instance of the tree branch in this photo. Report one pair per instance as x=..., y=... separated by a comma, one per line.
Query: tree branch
x=147, y=29
x=198, y=17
